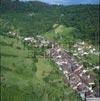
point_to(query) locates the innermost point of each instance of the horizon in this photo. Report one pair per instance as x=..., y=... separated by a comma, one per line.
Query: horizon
x=66, y=2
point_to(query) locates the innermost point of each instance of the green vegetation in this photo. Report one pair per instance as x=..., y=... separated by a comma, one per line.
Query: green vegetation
x=24, y=79
x=63, y=34
x=26, y=75
x=33, y=18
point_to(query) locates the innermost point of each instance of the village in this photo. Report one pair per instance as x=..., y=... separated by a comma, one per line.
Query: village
x=84, y=48
x=76, y=75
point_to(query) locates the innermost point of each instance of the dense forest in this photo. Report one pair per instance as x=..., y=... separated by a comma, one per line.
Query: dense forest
x=30, y=18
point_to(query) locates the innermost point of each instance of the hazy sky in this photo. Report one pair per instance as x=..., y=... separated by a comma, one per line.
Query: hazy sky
x=67, y=2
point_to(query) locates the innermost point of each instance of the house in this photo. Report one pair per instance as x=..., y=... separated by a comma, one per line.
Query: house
x=65, y=72
x=58, y=50
x=79, y=49
x=34, y=41
x=82, y=88
x=28, y=39
x=91, y=51
x=84, y=71
x=82, y=43
x=94, y=49
x=12, y=34
x=85, y=53
x=59, y=56
x=60, y=68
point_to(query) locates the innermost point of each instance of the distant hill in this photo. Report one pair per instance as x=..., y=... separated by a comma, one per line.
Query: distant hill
x=85, y=18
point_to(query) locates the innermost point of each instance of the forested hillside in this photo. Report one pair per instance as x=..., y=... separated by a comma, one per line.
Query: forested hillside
x=30, y=18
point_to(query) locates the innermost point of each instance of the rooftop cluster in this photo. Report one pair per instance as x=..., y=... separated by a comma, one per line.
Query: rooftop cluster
x=37, y=41
x=76, y=75
x=82, y=48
